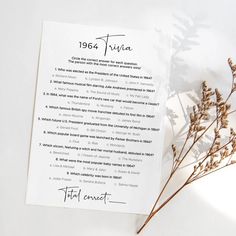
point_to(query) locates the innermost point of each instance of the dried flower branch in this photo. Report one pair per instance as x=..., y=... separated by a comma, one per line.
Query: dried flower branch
x=219, y=155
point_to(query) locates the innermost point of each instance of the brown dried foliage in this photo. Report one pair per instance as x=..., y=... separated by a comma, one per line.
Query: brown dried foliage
x=219, y=155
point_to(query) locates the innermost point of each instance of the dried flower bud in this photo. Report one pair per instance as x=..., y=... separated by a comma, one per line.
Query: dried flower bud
x=174, y=150
x=232, y=67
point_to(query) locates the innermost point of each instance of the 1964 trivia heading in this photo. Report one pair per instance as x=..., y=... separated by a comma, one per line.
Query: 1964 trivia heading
x=107, y=44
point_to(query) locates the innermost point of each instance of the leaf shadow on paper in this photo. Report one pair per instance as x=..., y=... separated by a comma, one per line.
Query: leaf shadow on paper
x=185, y=39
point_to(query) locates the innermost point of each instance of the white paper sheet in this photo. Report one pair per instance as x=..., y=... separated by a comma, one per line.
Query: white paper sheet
x=98, y=118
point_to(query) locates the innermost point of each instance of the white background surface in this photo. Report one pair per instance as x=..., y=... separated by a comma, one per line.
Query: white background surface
x=208, y=207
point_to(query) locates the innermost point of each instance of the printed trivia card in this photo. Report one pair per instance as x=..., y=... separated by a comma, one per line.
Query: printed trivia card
x=97, y=134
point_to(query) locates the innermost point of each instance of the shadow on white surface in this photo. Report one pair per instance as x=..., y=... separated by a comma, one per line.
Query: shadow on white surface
x=191, y=214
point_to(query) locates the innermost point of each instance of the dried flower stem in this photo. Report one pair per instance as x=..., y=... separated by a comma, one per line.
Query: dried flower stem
x=216, y=154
